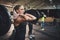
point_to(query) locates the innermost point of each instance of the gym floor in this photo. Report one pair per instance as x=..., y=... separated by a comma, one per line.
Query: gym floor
x=51, y=32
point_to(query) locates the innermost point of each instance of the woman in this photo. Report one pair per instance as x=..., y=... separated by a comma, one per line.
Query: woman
x=20, y=21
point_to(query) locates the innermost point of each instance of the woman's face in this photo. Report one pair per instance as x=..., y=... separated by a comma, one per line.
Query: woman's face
x=21, y=10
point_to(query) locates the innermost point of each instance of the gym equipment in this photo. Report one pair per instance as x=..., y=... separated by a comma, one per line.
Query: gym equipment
x=5, y=22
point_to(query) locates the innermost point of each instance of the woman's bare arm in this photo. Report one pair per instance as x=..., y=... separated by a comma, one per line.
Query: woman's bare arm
x=31, y=17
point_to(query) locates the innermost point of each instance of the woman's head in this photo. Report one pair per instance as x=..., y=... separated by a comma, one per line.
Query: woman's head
x=19, y=9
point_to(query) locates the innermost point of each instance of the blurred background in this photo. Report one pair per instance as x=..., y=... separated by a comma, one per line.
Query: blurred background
x=35, y=4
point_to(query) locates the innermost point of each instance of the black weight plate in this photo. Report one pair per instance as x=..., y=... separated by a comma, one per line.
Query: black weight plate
x=5, y=21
